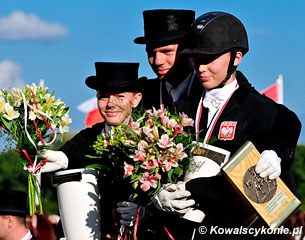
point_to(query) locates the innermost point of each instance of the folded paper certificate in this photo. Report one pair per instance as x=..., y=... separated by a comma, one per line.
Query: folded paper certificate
x=206, y=161
x=266, y=201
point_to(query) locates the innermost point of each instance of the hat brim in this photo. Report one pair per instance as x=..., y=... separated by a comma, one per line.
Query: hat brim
x=158, y=41
x=92, y=81
x=13, y=212
x=207, y=51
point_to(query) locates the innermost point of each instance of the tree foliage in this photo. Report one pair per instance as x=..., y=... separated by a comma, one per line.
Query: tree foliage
x=298, y=167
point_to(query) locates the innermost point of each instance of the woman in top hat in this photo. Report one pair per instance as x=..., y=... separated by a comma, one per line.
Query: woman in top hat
x=13, y=212
x=175, y=85
x=118, y=92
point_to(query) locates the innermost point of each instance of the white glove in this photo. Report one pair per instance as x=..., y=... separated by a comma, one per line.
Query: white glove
x=269, y=164
x=56, y=160
x=172, y=198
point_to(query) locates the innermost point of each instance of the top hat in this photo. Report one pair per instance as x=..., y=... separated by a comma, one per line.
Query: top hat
x=13, y=202
x=115, y=77
x=165, y=26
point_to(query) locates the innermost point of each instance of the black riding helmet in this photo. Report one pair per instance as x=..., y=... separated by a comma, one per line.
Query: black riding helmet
x=215, y=33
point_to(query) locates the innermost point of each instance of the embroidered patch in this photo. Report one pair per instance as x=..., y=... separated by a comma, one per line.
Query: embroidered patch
x=227, y=130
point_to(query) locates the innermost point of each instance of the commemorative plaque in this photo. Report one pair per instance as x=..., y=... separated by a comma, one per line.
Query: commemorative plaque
x=264, y=201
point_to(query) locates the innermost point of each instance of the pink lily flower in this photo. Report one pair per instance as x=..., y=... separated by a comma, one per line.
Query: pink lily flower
x=128, y=169
x=179, y=130
x=185, y=121
x=168, y=163
x=178, y=151
x=172, y=123
x=148, y=181
x=139, y=155
x=165, y=141
x=150, y=164
x=142, y=145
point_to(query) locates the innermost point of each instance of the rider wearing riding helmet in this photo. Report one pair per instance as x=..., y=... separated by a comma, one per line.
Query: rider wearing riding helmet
x=233, y=112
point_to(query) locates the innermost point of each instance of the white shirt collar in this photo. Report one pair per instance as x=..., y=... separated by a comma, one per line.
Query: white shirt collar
x=107, y=127
x=184, y=86
x=213, y=98
x=27, y=236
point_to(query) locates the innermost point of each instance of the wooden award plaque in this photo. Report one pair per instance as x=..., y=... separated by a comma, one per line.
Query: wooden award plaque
x=264, y=201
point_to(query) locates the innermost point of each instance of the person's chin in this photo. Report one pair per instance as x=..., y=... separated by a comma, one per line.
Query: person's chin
x=206, y=85
x=113, y=121
x=161, y=74
x=161, y=77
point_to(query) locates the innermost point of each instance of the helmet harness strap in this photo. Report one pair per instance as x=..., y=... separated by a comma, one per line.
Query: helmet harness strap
x=231, y=68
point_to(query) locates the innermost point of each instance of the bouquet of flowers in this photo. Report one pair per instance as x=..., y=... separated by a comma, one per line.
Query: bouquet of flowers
x=157, y=145
x=30, y=119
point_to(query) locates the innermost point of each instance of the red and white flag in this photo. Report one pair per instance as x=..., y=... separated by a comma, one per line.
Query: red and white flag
x=93, y=115
x=275, y=91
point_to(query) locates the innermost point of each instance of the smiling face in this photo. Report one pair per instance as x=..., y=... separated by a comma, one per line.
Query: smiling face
x=212, y=70
x=162, y=59
x=116, y=108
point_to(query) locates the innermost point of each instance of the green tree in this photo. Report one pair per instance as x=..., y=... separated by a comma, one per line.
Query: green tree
x=298, y=167
x=12, y=175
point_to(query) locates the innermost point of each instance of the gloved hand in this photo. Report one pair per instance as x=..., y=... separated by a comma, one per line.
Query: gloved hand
x=269, y=164
x=128, y=211
x=56, y=160
x=172, y=198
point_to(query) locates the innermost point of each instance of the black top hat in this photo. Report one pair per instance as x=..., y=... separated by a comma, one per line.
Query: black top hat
x=13, y=202
x=165, y=26
x=115, y=77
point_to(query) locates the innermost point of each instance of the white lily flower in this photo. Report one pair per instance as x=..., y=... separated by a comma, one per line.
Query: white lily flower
x=66, y=120
x=63, y=129
x=10, y=112
x=16, y=97
x=49, y=98
x=2, y=102
x=32, y=115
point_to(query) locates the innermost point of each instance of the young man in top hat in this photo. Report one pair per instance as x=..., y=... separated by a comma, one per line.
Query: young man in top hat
x=164, y=31
x=13, y=212
x=233, y=112
x=118, y=92
x=175, y=86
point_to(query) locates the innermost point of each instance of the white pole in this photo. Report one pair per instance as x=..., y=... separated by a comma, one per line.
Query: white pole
x=279, y=82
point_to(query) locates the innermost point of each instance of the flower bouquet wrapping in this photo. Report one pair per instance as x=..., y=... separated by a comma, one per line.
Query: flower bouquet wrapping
x=157, y=144
x=206, y=161
x=30, y=118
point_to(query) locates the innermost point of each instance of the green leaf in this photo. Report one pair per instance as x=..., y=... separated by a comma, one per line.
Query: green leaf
x=7, y=124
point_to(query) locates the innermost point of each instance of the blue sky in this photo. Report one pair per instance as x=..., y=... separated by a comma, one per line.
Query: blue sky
x=59, y=41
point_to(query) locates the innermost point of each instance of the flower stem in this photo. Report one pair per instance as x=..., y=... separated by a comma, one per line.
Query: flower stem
x=33, y=192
